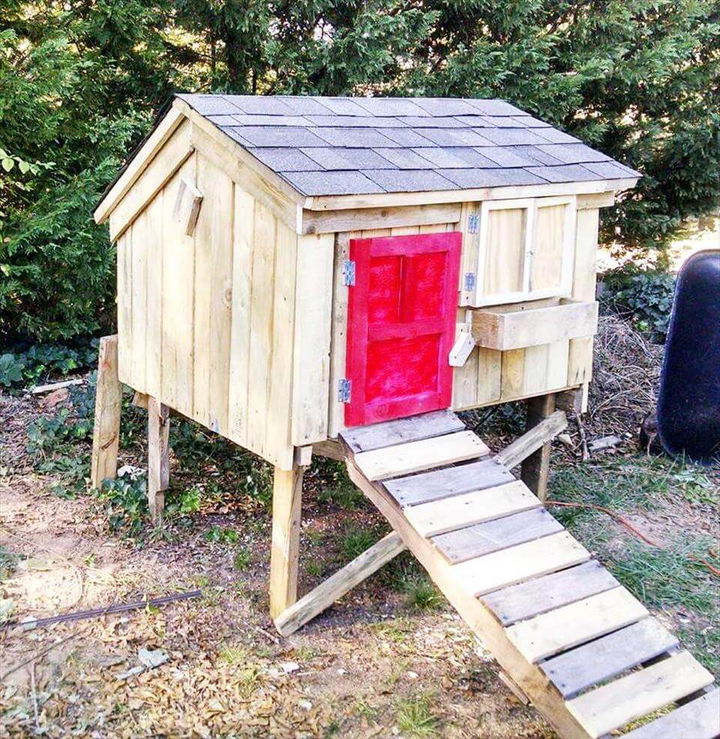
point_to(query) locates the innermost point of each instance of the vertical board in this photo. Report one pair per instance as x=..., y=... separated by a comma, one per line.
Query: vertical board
x=503, y=239
x=547, y=264
x=153, y=347
x=313, y=326
x=138, y=289
x=124, y=305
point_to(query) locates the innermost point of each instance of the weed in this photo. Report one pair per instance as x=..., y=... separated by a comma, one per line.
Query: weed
x=315, y=567
x=357, y=540
x=8, y=562
x=364, y=709
x=422, y=595
x=415, y=717
x=242, y=559
x=334, y=486
x=234, y=655
x=219, y=535
x=396, y=630
x=125, y=500
x=182, y=502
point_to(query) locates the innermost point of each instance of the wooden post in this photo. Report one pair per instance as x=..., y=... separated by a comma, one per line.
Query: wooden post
x=536, y=468
x=108, y=400
x=287, y=511
x=158, y=457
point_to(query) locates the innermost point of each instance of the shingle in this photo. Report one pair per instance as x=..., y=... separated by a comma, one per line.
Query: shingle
x=610, y=170
x=285, y=160
x=222, y=120
x=260, y=104
x=538, y=155
x=491, y=177
x=304, y=105
x=476, y=121
x=432, y=121
x=360, y=137
x=359, y=121
x=342, y=106
x=331, y=183
x=337, y=158
x=405, y=158
x=234, y=133
x=574, y=153
x=494, y=107
x=554, y=136
x=275, y=136
x=390, y=106
x=456, y=137
x=527, y=121
x=441, y=157
x=409, y=180
x=406, y=137
x=445, y=106
x=564, y=173
x=503, y=157
x=456, y=157
x=210, y=104
x=263, y=120
x=510, y=136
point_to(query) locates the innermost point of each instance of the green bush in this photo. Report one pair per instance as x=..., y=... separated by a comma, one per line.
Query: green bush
x=41, y=362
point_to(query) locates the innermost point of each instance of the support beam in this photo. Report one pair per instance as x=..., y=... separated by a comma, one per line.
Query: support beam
x=285, y=550
x=344, y=580
x=536, y=468
x=331, y=449
x=531, y=441
x=158, y=457
x=108, y=401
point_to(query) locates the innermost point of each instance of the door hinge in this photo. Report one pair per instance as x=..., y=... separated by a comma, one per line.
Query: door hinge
x=473, y=223
x=348, y=272
x=344, y=390
x=469, y=281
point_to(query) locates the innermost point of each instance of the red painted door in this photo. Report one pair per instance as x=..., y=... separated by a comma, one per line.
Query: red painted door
x=401, y=325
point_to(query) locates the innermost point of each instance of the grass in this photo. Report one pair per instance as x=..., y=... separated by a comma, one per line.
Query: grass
x=415, y=717
x=422, y=595
x=242, y=559
x=356, y=540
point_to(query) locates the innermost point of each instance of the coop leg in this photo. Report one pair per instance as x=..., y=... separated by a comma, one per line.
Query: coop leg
x=287, y=507
x=536, y=468
x=158, y=457
x=108, y=399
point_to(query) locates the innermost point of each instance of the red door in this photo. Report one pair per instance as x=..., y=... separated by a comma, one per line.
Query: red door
x=401, y=325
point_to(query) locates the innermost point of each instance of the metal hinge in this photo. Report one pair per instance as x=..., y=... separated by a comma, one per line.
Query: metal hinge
x=469, y=281
x=348, y=272
x=344, y=390
x=473, y=223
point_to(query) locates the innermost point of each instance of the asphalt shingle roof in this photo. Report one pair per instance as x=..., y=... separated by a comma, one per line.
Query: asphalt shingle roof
x=342, y=146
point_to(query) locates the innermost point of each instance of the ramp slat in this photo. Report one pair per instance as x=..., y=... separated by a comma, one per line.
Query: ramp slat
x=438, y=484
x=607, y=657
x=699, y=719
x=618, y=703
x=492, y=536
x=575, y=624
x=414, y=428
x=415, y=456
x=546, y=593
x=521, y=562
x=441, y=516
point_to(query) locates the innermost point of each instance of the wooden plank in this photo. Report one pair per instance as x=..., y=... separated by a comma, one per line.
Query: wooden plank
x=389, y=433
x=532, y=440
x=164, y=165
x=698, y=719
x=535, y=470
x=492, y=536
x=546, y=593
x=521, y=562
x=446, y=482
x=532, y=681
x=577, y=623
x=330, y=449
x=441, y=516
x=596, y=200
x=618, y=703
x=124, y=306
x=243, y=231
x=590, y=664
x=332, y=589
x=425, y=454
x=313, y=328
x=108, y=402
x=139, y=162
x=158, y=477
x=470, y=252
x=154, y=258
x=315, y=222
x=138, y=289
x=285, y=547
x=552, y=255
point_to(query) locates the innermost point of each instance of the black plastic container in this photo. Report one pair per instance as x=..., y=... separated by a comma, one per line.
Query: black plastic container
x=689, y=400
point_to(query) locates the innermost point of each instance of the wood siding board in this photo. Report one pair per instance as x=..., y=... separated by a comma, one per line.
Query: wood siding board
x=138, y=289
x=154, y=295
x=124, y=309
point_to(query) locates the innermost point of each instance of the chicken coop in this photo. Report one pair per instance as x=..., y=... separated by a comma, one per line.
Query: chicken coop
x=339, y=276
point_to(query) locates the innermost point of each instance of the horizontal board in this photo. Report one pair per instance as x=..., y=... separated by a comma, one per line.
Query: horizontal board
x=618, y=703
x=608, y=656
x=699, y=719
x=521, y=562
x=440, y=516
x=443, y=483
x=546, y=593
x=414, y=456
x=485, y=538
x=389, y=433
x=576, y=623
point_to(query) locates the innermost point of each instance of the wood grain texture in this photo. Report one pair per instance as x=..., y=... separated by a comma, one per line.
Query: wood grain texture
x=618, y=703
x=604, y=658
x=108, y=402
x=547, y=593
x=538, y=435
x=158, y=477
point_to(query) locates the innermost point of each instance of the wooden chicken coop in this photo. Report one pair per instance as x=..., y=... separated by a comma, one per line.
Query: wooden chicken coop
x=339, y=276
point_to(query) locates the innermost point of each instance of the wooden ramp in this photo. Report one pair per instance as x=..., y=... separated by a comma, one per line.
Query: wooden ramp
x=567, y=635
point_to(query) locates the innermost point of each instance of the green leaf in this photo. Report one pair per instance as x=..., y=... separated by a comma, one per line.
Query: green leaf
x=7, y=164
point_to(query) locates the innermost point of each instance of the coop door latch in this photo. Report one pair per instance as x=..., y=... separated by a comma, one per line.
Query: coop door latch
x=344, y=390
x=348, y=273
x=464, y=343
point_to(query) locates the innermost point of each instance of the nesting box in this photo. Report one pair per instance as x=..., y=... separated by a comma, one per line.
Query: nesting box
x=292, y=266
